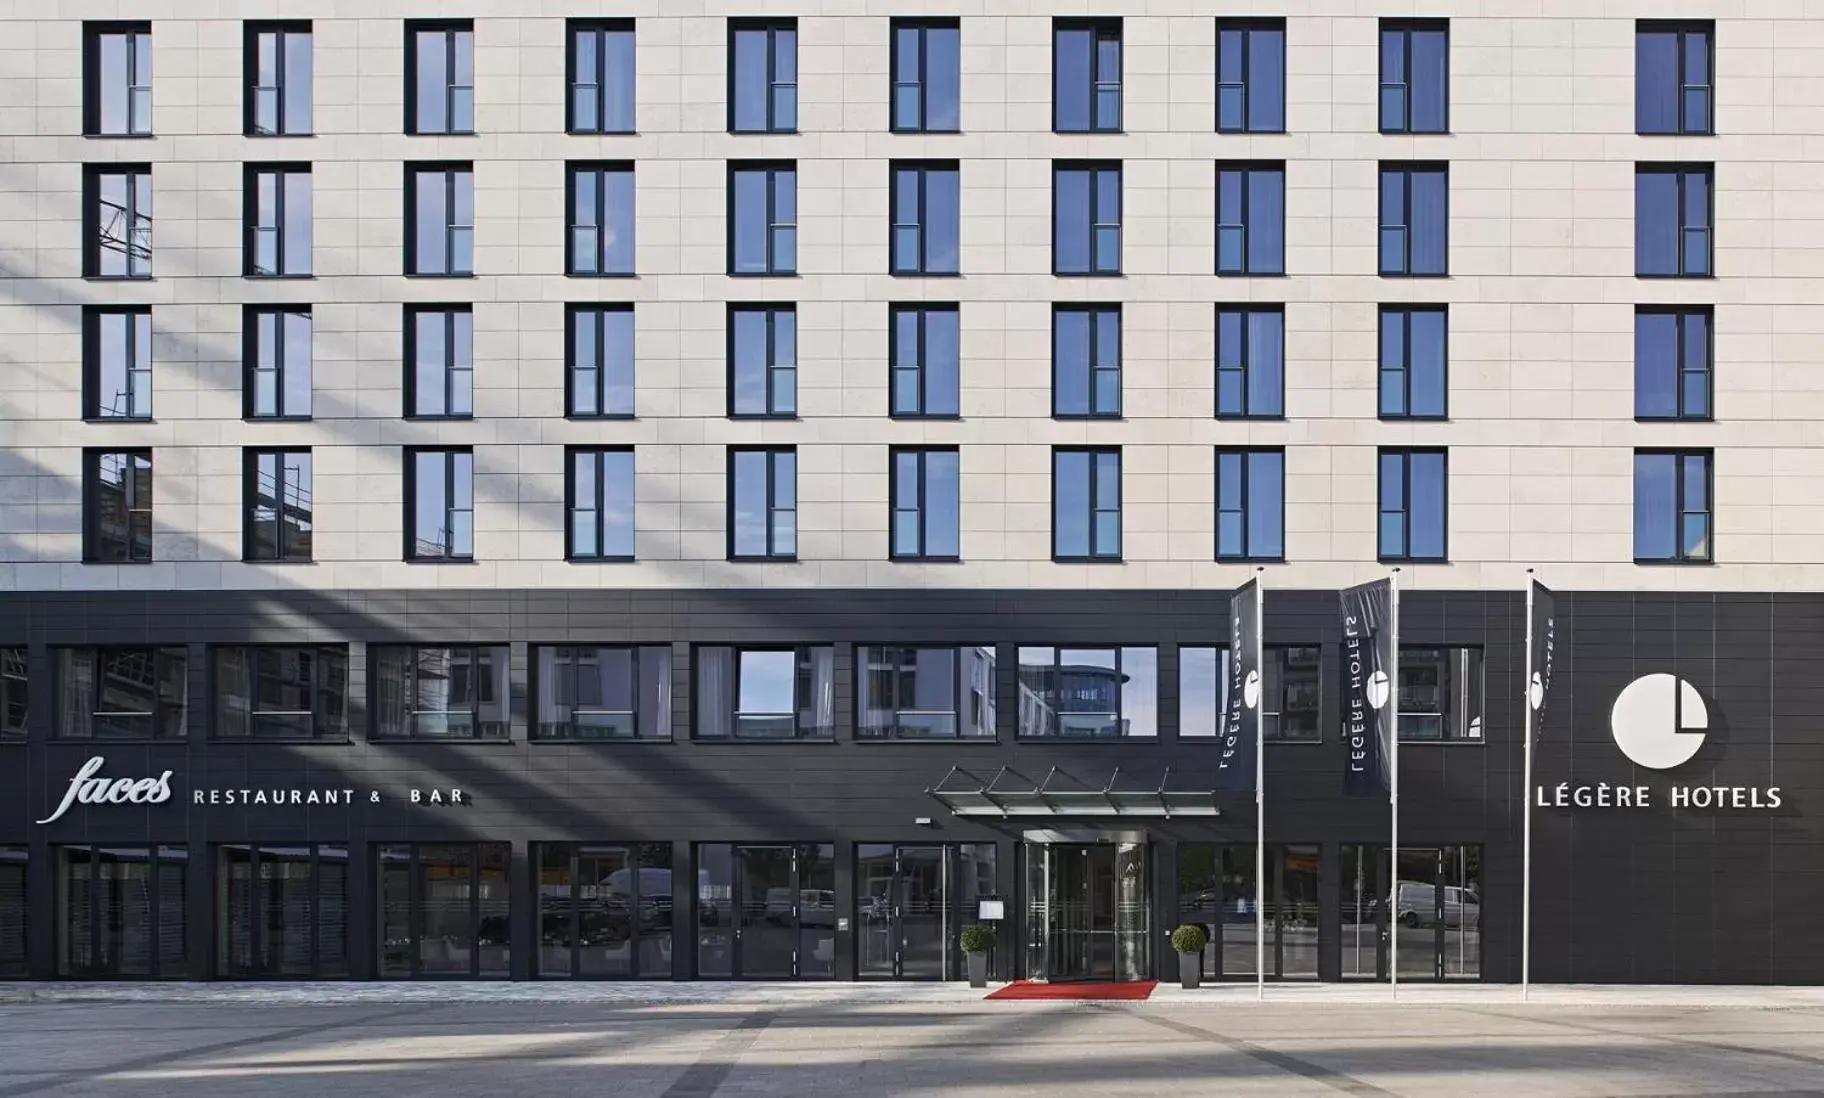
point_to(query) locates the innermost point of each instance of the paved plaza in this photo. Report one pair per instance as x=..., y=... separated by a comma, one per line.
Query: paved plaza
x=840, y=1041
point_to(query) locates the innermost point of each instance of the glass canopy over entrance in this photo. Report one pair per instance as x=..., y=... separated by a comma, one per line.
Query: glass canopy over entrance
x=1088, y=911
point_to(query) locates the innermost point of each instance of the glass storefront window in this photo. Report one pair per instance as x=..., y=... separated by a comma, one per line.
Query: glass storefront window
x=1089, y=693
x=765, y=693
x=766, y=912
x=604, y=910
x=12, y=911
x=439, y=693
x=1440, y=694
x=1437, y=915
x=602, y=693
x=1290, y=698
x=924, y=693
x=444, y=909
x=281, y=693
x=282, y=910
x=120, y=910
x=1216, y=889
x=121, y=693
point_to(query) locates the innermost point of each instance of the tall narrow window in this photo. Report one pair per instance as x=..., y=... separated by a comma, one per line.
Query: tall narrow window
x=1415, y=219
x=272, y=693
x=1414, y=362
x=440, y=219
x=927, y=75
x=925, y=361
x=1251, y=219
x=762, y=504
x=926, y=217
x=1086, y=218
x=1672, y=506
x=117, y=79
x=762, y=218
x=599, y=374
x=1674, y=210
x=762, y=360
x=117, y=362
x=278, y=220
x=276, y=383
x=1086, y=504
x=117, y=506
x=1086, y=75
x=1674, y=70
x=601, y=219
x=278, y=80
x=1250, y=361
x=600, y=511
x=925, y=494
x=1414, y=505
x=1085, y=361
x=15, y=695
x=762, y=75
x=440, y=361
x=1415, y=76
x=122, y=693
x=602, y=76
x=1250, y=505
x=1250, y=75
x=439, y=504
x=439, y=77
x=1672, y=363
x=117, y=221
x=277, y=504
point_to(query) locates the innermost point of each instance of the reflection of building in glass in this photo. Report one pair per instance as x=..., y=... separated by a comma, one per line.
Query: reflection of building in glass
x=1071, y=700
x=926, y=693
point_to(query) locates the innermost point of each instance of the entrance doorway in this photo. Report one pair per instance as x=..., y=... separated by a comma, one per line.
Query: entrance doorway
x=766, y=912
x=1437, y=913
x=1088, y=911
x=1216, y=890
x=912, y=903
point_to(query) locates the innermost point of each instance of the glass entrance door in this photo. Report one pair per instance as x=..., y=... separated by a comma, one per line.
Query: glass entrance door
x=766, y=912
x=1436, y=911
x=1088, y=911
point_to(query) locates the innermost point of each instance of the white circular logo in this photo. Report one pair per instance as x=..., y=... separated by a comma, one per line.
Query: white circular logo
x=1250, y=690
x=1659, y=721
x=1535, y=693
x=1378, y=689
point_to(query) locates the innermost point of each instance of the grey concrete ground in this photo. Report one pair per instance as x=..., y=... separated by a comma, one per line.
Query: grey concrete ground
x=841, y=1044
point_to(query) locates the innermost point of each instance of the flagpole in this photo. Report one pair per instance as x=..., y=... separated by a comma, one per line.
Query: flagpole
x=1526, y=797
x=1393, y=791
x=1260, y=798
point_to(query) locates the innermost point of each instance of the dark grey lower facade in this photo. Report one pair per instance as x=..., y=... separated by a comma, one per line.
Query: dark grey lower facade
x=1053, y=780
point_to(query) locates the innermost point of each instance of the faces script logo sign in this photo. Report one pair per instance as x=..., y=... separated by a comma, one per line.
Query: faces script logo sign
x=1659, y=721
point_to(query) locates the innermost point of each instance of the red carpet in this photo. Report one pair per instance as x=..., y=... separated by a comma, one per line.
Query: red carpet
x=1030, y=989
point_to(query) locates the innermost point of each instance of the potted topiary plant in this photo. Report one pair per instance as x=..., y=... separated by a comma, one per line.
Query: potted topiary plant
x=977, y=941
x=1189, y=941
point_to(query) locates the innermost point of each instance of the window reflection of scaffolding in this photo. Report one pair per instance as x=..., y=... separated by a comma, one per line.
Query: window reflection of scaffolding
x=126, y=232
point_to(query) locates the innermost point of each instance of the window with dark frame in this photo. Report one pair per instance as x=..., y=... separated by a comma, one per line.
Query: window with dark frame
x=270, y=692
x=919, y=692
x=599, y=367
x=117, y=221
x=439, y=77
x=440, y=362
x=15, y=902
x=1251, y=218
x=432, y=692
x=15, y=693
x=1674, y=213
x=762, y=361
x=277, y=354
x=285, y=910
x=1086, y=75
x=440, y=504
x=117, y=506
x=440, y=220
x=120, y=910
x=1673, y=506
x=1085, y=361
x=763, y=693
x=605, y=911
x=1291, y=699
x=925, y=500
x=445, y=910
x=1093, y=692
x=601, y=205
x=122, y=693
x=1440, y=694
x=117, y=362
x=1415, y=362
x=1086, y=218
x=117, y=79
x=1086, y=504
x=762, y=218
x=1250, y=75
x=278, y=79
x=925, y=362
x=1415, y=76
x=278, y=220
x=1673, y=357
x=1250, y=504
x=599, y=503
x=276, y=503
x=614, y=692
x=927, y=75
x=601, y=76
x=762, y=503
x=1415, y=505
x=1250, y=361
x=1674, y=74
x=1415, y=220
x=927, y=218
x=762, y=76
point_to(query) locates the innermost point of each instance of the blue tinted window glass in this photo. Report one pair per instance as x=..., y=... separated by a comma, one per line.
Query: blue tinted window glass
x=943, y=220
x=749, y=512
x=1266, y=80
x=1266, y=362
x=941, y=502
x=1430, y=221
x=1656, y=223
x=618, y=82
x=1695, y=365
x=943, y=78
x=1232, y=79
x=1070, y=507
x=1656, y=82
x=1266, y=222
x=1073, y=79
x=750, y=87
x=1426, y=522
x=1655, y=365
x=1266, y=482
x=1430, y=102
x=1071, y=355
x=942, y=357
x=1426, y=363
x=1071, y=216
x=1655, y=506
